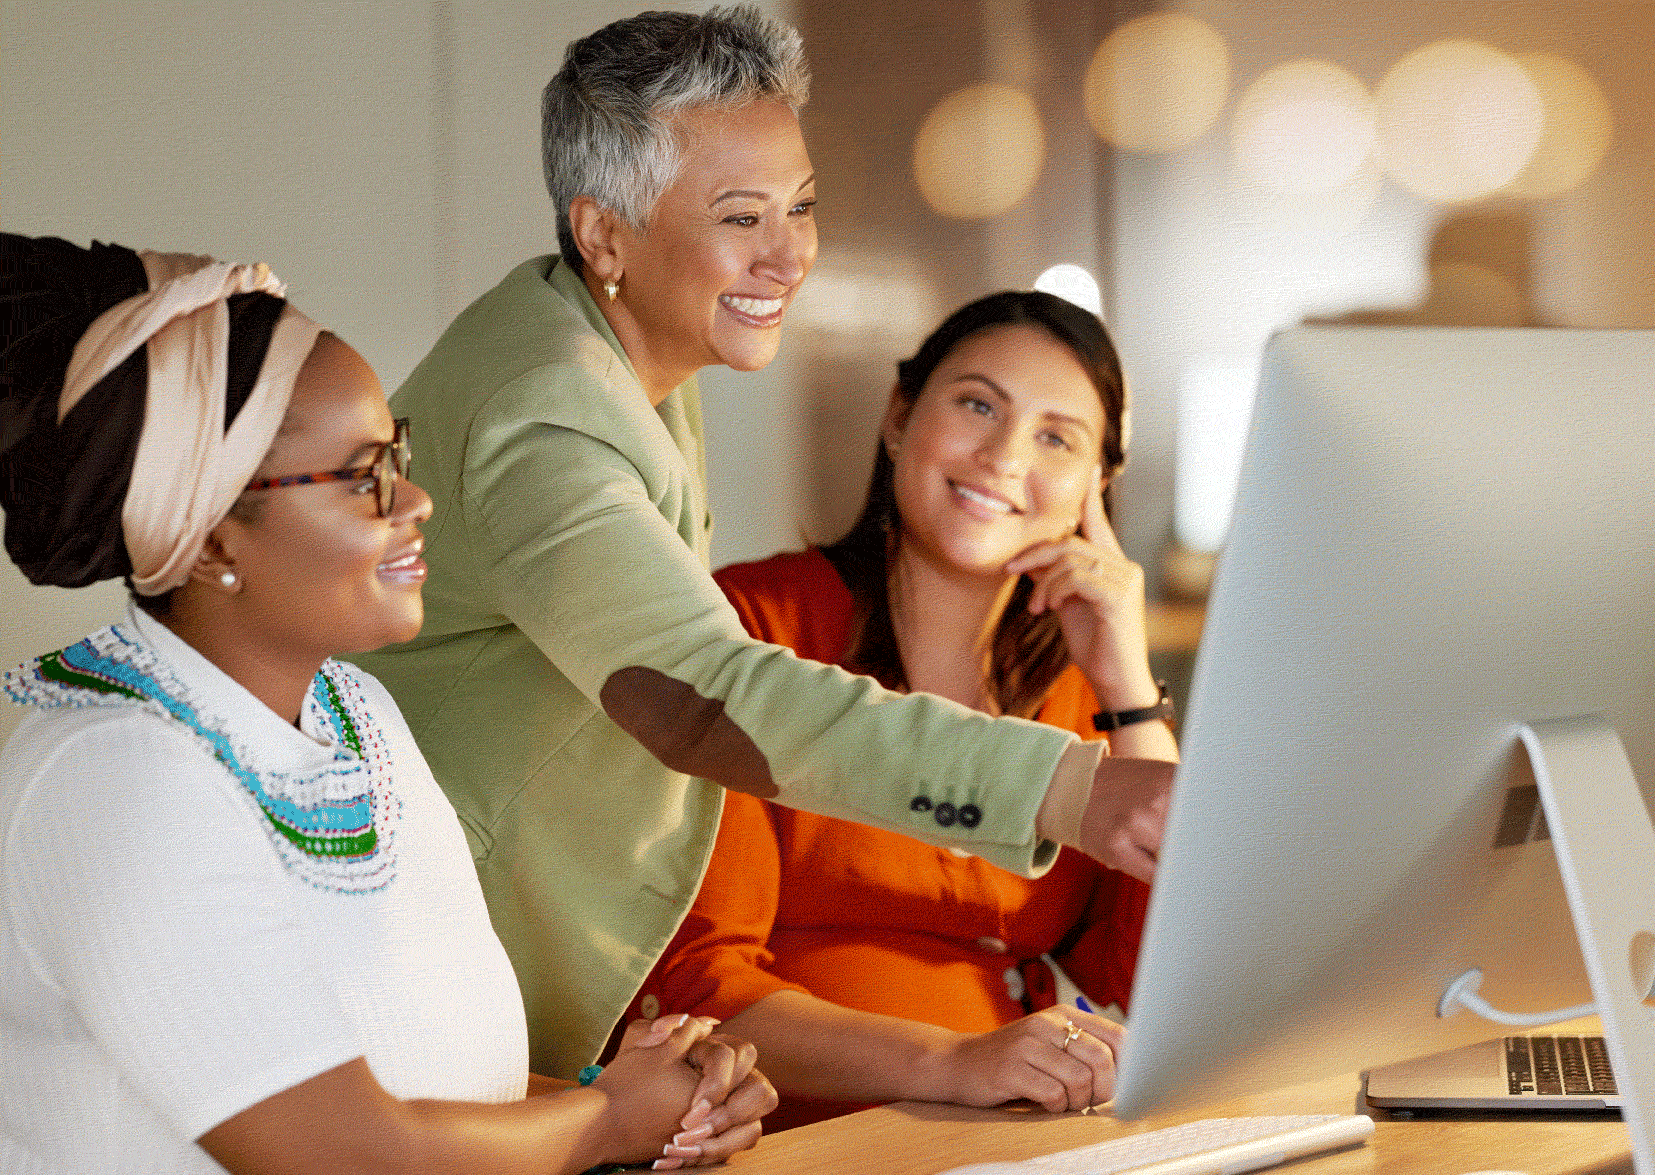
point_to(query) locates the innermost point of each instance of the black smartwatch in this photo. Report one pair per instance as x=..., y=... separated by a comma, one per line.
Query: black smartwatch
x=1106, y=720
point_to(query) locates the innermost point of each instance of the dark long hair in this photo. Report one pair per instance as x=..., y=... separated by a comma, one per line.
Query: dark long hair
x=1027, y=652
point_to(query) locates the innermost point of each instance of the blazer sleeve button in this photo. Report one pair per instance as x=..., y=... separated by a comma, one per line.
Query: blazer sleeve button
x=945, y=814
x=920, y=804
x=970, y=815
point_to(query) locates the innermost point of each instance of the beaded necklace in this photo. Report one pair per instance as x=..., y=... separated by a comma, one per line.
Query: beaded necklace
x=332, y=826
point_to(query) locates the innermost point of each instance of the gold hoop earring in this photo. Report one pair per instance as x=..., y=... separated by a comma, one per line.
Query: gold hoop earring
x=612, y=287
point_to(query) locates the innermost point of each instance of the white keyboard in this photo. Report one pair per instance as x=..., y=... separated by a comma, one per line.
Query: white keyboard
x=1212, y=1146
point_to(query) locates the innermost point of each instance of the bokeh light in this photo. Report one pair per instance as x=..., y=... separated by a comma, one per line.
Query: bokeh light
x=1457, y=120
x=979, y=151
x=1306, y=126
x=1577, y=132
x=1073, y=283
x=1158, y=83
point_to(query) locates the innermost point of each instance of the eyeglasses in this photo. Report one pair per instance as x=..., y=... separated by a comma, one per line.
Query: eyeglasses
x=389, y=464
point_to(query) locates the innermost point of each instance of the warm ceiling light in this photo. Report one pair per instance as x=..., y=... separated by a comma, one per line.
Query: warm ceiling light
x=1306, y=126
x=1577, y=131
x=979, y=151
x=1157, y=83
x=1457, y=120
x=1073, y=284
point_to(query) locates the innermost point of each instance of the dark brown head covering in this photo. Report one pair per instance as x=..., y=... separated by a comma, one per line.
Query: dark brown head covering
x=63, y=485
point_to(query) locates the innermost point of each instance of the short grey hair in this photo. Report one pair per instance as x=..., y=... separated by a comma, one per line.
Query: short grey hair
x=606, y=115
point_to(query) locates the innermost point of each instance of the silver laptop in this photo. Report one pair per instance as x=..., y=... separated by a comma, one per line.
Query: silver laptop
x=1540, y=1072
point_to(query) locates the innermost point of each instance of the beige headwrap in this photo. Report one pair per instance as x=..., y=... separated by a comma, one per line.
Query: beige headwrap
x=188, y=471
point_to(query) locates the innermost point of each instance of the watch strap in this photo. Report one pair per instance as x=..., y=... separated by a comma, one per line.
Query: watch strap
x=1107, y=720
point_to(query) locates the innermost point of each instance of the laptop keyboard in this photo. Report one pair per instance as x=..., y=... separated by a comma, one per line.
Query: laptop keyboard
x=1558, y=1065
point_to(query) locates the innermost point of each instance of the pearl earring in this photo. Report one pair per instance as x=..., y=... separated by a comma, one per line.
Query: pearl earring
x=612, y=287
x=228, y=579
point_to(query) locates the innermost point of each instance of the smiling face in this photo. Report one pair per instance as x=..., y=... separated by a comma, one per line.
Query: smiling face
x=997, y=452
x=320, y=571
x=726, y=248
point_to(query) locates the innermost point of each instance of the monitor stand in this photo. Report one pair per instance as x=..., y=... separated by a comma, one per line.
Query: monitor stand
x=1605, y=849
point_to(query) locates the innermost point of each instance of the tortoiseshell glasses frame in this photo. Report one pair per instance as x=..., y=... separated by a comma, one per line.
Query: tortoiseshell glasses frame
x=388, y=466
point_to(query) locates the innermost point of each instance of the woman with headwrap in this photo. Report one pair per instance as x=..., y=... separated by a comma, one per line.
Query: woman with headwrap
x=239, y=920
x=578, y=667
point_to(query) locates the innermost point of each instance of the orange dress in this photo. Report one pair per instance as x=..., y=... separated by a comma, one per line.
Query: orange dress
x=874, y=920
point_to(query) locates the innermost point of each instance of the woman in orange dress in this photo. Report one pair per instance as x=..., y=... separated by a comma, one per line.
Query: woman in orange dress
x=868, y=966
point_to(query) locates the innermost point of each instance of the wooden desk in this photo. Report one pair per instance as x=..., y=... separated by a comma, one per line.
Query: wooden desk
x=917, y=1138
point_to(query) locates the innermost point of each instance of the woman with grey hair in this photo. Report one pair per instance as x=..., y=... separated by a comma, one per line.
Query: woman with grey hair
x=578, y=667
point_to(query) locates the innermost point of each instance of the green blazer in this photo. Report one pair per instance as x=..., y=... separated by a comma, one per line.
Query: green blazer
x=575, y=645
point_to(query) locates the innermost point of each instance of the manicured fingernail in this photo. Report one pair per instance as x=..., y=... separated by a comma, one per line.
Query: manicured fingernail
x=697, y=1116
x=672, y=1151
x=666, y=1164
x=666, y=1026
x=686, y=1137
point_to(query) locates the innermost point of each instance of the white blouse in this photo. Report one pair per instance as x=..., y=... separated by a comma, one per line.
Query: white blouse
x=204, y=905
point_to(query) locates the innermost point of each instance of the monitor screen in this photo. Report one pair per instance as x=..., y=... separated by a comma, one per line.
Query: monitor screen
x=1439, y=536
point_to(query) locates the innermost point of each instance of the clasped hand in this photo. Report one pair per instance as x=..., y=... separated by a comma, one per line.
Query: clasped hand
x=681, y=1091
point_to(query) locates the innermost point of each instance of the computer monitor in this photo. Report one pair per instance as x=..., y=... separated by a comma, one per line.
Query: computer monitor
x=1440, y=535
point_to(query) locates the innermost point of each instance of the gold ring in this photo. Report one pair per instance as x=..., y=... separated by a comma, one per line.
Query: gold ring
x=1071, y=1031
